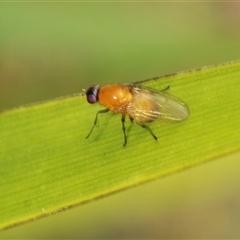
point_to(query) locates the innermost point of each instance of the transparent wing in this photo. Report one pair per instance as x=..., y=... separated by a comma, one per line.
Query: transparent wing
x=149, y=105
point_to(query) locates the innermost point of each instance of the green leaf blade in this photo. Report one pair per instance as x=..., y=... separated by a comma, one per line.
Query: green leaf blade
x=48, y=165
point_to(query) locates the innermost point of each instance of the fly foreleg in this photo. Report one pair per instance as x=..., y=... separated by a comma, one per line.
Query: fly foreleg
x=95, y=121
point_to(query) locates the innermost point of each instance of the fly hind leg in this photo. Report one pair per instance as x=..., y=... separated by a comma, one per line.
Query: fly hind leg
x=165, y=89
x=147, y=128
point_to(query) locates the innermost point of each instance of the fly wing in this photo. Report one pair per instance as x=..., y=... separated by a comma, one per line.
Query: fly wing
x=149, y=105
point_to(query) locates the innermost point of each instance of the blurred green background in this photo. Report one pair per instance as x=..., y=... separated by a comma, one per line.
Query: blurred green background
x=49, y=50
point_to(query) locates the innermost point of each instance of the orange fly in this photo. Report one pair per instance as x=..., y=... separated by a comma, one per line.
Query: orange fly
x=140, y=103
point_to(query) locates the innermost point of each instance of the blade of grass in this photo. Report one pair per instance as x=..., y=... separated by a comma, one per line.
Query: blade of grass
x=47, y=164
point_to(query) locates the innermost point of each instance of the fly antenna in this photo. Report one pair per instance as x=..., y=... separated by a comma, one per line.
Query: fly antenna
x=83, y=93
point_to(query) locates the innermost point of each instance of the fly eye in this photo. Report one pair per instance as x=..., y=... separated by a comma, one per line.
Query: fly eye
x=92, y=94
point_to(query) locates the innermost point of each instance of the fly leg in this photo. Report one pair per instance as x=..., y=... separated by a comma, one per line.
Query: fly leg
x=124, y=130
x=148, y=129
x=95, y=121
x=165, y=89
